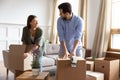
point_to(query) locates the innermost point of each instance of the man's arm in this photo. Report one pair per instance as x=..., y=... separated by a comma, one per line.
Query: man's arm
x=65, y=51
x=60, y=30
x=73, y=53
x=78, y=35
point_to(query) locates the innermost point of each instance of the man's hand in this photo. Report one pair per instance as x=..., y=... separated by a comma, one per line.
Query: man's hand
x=65, y=51
x=72, y=54
x=65, y=55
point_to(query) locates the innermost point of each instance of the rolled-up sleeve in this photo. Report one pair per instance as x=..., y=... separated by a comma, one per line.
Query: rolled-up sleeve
x=38, y=37
x=79, y=29
x=23, y=39
x=60, y=30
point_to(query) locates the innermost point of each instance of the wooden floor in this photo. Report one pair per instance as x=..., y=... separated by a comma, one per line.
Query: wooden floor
x=11, y=75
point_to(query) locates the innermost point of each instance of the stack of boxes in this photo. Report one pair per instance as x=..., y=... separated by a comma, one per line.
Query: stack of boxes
x=98, y=69
x=108, y=66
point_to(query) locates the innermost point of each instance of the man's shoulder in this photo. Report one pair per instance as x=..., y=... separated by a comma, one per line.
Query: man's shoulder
x=77, y=17
x=60, y=19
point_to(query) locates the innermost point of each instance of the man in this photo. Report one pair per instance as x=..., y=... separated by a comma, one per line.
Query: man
x=69, y=29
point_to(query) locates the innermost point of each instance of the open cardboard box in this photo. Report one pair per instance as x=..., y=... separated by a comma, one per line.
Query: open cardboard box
x=93, y=59
x=14, y=60
x=108, y=66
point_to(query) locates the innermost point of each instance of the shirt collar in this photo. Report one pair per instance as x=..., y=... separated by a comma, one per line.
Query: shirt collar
x=71, y=18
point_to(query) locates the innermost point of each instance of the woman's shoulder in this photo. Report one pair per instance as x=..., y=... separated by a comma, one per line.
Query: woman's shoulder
x=39, y=30
x=25, y=28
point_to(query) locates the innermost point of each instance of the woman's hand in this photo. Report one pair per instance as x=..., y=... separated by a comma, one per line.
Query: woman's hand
x=25, y=55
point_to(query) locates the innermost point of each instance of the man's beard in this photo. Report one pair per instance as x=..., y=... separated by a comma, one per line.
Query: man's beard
x=64, y=18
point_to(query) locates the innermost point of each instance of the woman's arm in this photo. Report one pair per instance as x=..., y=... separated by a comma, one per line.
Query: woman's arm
x=30, y=51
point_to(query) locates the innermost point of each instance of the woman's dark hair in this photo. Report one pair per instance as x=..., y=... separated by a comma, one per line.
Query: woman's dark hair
x=30, y=18
x=66, y=7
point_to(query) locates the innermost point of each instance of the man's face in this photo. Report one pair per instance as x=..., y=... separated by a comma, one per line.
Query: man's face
x=63, y=15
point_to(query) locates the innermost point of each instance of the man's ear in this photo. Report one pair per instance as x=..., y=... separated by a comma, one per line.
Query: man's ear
x=67, y=13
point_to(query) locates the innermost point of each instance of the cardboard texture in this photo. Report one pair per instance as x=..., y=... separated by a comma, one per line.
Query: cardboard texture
x=90, y=77
x=90, y=65
x=14, y=58
x=108, y=66
x=93, y=59
x=66, y=72
x=94, y=75
x=115, y=55
x=28, y=76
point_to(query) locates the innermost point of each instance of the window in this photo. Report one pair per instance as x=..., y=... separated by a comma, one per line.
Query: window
x=114, y=43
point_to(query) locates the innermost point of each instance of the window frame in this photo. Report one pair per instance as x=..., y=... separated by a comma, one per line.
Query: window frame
x=113, y=31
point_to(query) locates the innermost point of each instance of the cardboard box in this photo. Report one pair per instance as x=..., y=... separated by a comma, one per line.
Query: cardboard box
x=14, y=58
x=108, y=66
x=90, y=62
x=90, y=77
x=94, y=75
x=66, y=72
x=116, y=55
x=90, y=65
x=29, y=76
x=93, y=59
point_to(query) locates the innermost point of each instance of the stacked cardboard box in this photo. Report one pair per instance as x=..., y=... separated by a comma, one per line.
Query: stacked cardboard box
x=116, y=55
x=94, y=75
x=90, y=65
x=108, y=66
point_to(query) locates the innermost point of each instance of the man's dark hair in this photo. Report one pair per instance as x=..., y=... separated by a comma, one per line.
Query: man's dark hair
x=66, y=7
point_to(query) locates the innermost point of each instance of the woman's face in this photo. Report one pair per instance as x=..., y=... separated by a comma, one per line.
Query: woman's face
x=34, y=23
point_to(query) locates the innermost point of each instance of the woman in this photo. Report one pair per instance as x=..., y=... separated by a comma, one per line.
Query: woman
x=32, y=35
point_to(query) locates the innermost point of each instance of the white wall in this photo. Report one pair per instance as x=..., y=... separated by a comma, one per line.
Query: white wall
x=13, y=16
x=16, y=11
x=92, y=16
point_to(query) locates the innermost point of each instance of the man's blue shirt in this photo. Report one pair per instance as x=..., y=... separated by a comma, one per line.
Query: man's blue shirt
x=69, y=31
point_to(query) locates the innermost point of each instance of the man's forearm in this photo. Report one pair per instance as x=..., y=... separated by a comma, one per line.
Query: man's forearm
x=76, y=42
x=64, y=46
